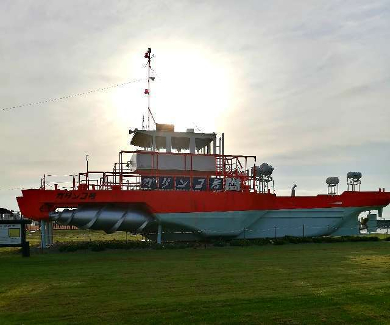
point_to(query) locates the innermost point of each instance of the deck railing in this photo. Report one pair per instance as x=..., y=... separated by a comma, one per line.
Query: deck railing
x=229, y=169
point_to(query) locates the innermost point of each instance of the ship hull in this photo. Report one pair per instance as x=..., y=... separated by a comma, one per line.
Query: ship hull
x=262, y=224
x=179, y=215
x=206, y=225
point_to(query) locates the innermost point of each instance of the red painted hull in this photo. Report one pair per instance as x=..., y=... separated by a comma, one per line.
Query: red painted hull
x=36, y=204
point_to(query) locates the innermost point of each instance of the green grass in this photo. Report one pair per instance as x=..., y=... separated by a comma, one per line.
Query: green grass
x=61, y=236
x=379, y=235
x=73, y=236
x=343, y=283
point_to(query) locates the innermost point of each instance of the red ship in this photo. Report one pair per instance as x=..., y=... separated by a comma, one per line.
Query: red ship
x=182, y=186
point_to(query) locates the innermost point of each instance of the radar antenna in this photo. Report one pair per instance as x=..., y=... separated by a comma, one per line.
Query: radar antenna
x=148, y=55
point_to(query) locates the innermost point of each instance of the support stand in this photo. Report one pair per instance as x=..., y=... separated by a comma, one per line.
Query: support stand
x=159, y=234
x=43, y=234
x=46, y=233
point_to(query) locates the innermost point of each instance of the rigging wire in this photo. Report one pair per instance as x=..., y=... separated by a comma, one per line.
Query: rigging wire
x=85, y=93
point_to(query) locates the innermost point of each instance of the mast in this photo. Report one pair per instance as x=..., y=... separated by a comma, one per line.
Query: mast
x=148, y=55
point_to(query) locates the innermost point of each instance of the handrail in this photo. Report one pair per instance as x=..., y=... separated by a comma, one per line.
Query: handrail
x=226, y=166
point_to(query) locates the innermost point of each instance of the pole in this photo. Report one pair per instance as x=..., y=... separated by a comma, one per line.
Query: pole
x=43, y=234
x=149, y=111
x=25, y=244
x=223, y=143
x=148, y=56
x=254, y=178
x=223, y=154
x=50, y=232
x=159, y=234
x=303, y=230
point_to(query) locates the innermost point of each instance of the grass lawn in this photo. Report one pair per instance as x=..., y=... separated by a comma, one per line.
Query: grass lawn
x=79, y=235
x=343, y=283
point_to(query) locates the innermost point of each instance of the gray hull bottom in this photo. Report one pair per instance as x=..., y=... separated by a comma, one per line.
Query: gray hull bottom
x=230, y=224
x=264, y=224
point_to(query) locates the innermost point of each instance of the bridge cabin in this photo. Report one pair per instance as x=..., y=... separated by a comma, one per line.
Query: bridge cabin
x=165, y=159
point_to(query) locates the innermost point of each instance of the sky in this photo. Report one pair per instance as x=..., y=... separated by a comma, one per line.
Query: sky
x=303, y=85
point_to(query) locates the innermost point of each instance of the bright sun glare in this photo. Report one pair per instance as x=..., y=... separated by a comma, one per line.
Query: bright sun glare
x=192, y=90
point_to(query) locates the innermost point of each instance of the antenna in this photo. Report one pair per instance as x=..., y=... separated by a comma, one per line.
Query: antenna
x=148, y=55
